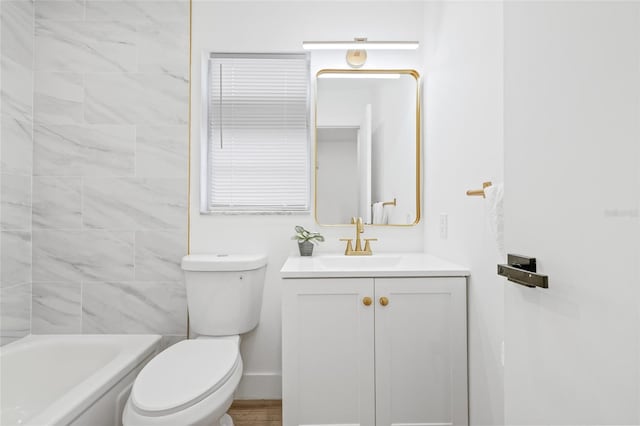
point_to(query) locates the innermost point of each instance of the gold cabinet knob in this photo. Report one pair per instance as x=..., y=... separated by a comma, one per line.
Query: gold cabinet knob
x=384, y=301
x=367, y=301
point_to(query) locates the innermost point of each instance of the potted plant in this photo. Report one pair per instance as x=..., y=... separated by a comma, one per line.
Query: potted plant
x=306, y=240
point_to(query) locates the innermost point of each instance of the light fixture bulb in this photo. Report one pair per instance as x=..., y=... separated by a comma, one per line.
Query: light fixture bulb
x=356, y=58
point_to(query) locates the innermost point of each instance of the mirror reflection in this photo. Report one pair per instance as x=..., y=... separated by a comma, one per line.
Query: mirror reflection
x=367, y=147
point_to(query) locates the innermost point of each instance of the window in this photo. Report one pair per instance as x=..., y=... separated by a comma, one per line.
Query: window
x=257, y=133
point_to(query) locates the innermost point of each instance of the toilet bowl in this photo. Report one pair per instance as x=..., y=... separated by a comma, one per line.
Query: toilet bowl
x=193, y=381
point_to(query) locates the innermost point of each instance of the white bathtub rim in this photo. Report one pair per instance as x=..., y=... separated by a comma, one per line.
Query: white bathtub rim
x=135, y=349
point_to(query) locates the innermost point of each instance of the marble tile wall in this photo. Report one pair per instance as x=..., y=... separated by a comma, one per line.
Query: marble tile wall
x=109, y=166
x=16, y=153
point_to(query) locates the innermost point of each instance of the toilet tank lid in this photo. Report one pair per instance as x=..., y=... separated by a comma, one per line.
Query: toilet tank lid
x=223, y=262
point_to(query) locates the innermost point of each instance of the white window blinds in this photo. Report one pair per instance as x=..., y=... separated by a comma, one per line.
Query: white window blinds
x=258, y=149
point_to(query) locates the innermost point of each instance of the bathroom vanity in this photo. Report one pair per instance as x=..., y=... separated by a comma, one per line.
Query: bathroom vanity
x=374, y=340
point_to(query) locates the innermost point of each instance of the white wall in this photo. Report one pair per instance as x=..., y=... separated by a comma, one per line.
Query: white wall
x=572, y=166
x=281, y=27
x=464, y=147
x=342, y=102
x=337, y=184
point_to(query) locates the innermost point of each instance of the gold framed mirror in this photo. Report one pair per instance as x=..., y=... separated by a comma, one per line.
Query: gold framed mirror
x=367, y=147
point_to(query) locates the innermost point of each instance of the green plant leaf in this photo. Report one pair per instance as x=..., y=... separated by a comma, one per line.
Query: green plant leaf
x=303, y=235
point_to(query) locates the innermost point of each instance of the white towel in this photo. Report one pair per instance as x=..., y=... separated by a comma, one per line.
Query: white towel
x=495, y=215
x=379, y=215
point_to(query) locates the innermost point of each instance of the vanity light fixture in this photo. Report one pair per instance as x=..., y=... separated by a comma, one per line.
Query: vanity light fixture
x=356, y=49
x=361, y=75
x=360, y=43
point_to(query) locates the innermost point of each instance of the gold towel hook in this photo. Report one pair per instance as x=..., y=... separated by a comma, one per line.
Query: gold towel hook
x=390, y=203
x=479, y=192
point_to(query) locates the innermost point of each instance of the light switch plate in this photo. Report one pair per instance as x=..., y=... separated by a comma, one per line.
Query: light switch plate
x=444, y=226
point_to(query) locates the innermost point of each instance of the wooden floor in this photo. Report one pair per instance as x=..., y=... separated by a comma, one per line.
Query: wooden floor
x=256, y=413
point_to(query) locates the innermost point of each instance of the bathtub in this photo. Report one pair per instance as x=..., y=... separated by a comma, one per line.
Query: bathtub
x=70, y=379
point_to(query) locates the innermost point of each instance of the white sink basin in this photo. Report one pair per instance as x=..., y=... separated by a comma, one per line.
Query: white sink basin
x=377, y=265
x=348, y=262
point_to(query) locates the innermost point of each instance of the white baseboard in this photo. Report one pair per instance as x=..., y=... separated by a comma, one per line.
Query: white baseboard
x=259, y=386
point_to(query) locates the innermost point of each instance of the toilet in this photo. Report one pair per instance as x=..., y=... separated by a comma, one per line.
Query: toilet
x=193, y=381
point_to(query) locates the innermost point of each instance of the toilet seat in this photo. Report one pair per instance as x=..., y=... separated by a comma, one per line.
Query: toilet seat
x=183, y=375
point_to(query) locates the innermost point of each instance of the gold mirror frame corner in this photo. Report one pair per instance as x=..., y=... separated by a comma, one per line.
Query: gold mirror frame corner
x=416, y=75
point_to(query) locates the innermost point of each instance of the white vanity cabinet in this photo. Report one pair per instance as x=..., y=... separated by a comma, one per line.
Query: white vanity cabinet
x=421, y=351
x=399, y=360
x=328, y=352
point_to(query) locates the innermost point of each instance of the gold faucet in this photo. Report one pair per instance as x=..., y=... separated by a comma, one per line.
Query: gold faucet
x=358, y=251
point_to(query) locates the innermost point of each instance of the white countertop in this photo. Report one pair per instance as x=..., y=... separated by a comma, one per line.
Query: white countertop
x=377, y=265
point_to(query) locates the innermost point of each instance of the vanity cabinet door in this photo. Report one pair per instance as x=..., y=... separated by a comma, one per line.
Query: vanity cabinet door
x=421, y=351
x=328, y=352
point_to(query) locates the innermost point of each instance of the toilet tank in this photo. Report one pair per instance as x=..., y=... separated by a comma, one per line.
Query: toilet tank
x=224, y=292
